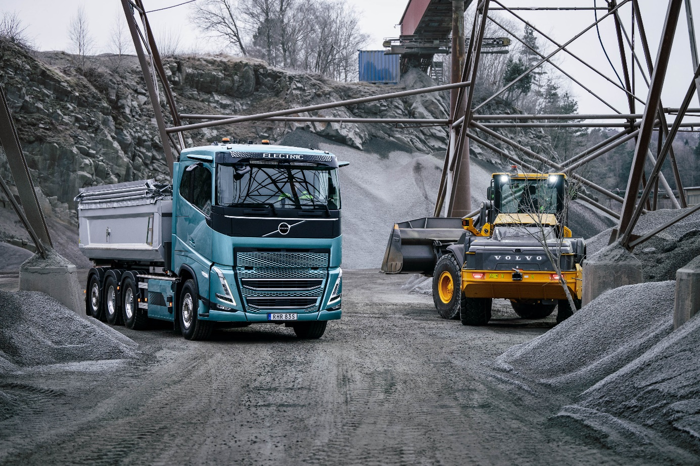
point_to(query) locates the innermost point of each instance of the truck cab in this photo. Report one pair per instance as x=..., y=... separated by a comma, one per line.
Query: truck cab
x=245, y=234
x=258, y=228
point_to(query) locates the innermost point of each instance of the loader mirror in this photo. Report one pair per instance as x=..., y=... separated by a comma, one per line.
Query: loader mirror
x=489, y=193
x=240, y=172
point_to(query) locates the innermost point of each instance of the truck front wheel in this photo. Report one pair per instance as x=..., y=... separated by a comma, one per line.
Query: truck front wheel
x=310, y=330
x=192, y=328
x=447, y=287
x=475, y=311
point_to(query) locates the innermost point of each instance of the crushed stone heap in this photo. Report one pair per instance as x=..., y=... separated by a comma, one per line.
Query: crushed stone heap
x=635, y=382
x=36, y=330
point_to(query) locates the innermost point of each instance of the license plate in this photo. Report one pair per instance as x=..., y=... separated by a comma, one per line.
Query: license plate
x=493, y=275
x=281, y=317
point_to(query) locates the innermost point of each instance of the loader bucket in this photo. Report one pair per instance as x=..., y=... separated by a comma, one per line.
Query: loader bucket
x=411, y=247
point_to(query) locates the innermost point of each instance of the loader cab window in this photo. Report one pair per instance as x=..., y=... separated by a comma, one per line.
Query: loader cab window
x=195, y=187
x=522, y=196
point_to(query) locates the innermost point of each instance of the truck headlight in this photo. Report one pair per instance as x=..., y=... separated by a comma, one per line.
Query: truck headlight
x=336, y=293
x=227, y=296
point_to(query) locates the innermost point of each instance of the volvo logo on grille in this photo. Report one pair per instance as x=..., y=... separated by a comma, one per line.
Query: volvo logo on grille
x=283, y=228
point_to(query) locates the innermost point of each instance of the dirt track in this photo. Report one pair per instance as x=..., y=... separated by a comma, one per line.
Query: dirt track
x=389, y=384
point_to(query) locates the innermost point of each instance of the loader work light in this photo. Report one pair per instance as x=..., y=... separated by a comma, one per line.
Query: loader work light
x=552, y=179
x=505, y=179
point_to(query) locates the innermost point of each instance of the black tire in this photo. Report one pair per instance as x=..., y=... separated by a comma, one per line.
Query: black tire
x=112, y=307
x=191, y=327
x=132, y=316
x=94, y=304
x=565, y=311
x=532, y=309
x=475, y=311
x=310, y=330
x=447, y=287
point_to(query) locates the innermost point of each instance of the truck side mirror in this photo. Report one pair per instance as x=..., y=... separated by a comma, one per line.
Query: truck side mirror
x=240, y=173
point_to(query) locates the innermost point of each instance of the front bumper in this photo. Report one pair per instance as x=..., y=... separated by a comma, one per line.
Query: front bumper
x=534, y=284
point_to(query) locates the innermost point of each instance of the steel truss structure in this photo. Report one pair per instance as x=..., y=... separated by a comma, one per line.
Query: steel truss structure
x=466, y=123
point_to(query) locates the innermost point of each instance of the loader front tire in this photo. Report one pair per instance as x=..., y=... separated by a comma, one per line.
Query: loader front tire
x=447, y=287
x=475, y=311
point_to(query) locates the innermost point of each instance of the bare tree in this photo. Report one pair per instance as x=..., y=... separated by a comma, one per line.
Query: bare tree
x=545, y=224
x=168, y=41
x=12, y=29
x=120, y=39
x=220, y=17
x=80, y=37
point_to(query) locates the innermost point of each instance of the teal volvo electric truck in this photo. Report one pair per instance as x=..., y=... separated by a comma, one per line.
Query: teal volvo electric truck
x=245, y=234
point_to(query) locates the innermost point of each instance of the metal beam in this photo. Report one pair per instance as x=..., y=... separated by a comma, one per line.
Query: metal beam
x=661, y=115
x=583, y=62
x=691, y=37
x=557, y=50
x=596, y=147
x=23, y=179
x=418, y=121
x=534, y=169
x=23, y=218
x=650, y=112
x=600, y=152
x=343, y=103
x=544, y=160
x=150, y=85
x=662, y=155
x=460, y=202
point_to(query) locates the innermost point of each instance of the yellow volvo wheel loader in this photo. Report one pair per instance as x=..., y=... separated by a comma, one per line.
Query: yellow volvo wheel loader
x=516, y=247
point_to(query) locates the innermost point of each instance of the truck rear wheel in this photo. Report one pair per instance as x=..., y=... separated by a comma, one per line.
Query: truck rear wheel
x=132, y=315
x=447, y=287
x=532, y=309
x=191, y=327
x=565, y=310
x=111, y=305
x=475, y=311
x=310, y=330
x=94, y=301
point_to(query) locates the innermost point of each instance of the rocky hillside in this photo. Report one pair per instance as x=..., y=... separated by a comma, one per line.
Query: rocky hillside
x=90, y=126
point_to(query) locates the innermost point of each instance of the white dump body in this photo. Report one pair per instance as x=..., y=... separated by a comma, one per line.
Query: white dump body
x=126, y=222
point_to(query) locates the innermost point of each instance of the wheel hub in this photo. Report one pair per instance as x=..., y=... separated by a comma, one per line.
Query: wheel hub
x=111, y=301
x=129, y=303
x=187, y=311
x=445, y=287
x=95, y=296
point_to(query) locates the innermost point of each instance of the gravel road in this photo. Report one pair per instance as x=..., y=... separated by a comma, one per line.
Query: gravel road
x=390, y=383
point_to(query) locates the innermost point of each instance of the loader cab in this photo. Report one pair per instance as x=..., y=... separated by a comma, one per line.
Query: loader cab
x=519, y=196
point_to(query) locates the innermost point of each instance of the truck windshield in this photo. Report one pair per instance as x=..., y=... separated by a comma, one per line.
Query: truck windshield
x=529, y=196
x=281, y=186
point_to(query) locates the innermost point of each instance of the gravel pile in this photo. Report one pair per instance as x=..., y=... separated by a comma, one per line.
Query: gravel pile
x=12, y=257
x=610, y=332
x=668, y=251
x=652, y=402
x=36, y=330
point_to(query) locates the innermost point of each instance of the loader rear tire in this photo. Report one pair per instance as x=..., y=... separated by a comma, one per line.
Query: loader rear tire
x=532, y=309
x=565, y=310
x=475, y=311
x=447, y=287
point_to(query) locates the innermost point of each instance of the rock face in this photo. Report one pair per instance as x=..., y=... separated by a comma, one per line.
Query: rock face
x=93, y=126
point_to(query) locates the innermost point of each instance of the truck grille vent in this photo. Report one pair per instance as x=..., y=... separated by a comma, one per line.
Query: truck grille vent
x=282, y=259
x=281, y=302
x=281, y=284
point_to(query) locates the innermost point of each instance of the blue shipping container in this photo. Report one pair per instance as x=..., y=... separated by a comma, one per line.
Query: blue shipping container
x=375, y=67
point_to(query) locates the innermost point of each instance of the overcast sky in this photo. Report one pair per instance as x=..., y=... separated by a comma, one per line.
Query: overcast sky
x=47, y=27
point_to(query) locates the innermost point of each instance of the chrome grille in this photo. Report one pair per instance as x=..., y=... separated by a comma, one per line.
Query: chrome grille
x=282, y=259
x=281, y=284
x=286, y=273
